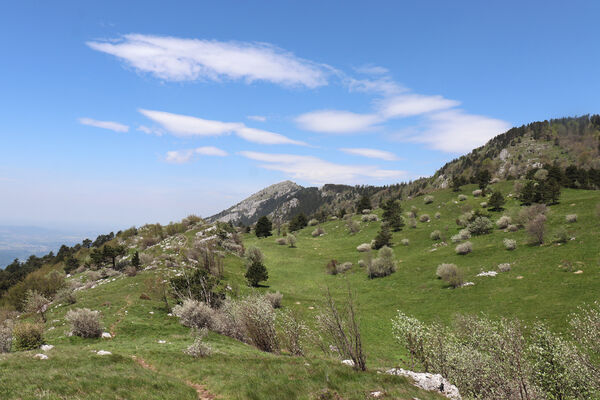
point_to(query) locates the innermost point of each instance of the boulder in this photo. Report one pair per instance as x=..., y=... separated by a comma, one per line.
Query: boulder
x=430, y=382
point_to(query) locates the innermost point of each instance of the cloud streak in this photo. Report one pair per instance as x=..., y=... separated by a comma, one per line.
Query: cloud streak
x=184, y=156
x=110, y=125
x=371, y=153
x=179, y=59
x=317, y=171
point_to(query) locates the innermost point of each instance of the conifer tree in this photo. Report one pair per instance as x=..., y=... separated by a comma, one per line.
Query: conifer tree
x=392, y=215
x=263, y=227
x=135, y=260
x=383, y=238
x=364, y=203
x=496, y=201
x=256, y=271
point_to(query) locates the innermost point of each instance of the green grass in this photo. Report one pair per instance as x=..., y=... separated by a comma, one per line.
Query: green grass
x=238, y=371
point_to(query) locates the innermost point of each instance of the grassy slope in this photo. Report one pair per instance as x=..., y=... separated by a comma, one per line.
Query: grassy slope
x=239, y=371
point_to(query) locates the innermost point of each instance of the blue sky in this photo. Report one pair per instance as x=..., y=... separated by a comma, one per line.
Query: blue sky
x=121, y=113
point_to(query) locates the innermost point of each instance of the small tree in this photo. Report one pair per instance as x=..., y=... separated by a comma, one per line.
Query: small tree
x=364, y=203
x=457, y=182
x=35, y=303
x=496, y=201
x=255, y=269
x=112, y=252
x=483, y=178
x=135, y=260
x=537, y=228
x=291, y=240
x=298, y=222
x=383, y=238
x=392, y=215
x=263, y=227
x=71, y=264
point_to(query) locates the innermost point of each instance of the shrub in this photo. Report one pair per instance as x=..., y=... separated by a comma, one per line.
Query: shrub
x=65, y=295
x=503, y=222
x=366, y=211
x=383, y=238
x=293, y=332
x=146, y=259
x=369, y=218
x=561, y=235
x=131, y=271
x=435, y=235
x=424, y=218
x=537, y=228
x=383, y=265
x=505, y=267
x=84, y=322
x=428, y=199
x=6, y=335
x=257, y=318
x=463, y=234
x=528, y=214
x=331, y=267
x=405, y=242
x=477, y=193
x=274, y=299
x=281, y=241
x=480, y=226
x=412, y=222
x=199, y=348
x=93, y=276
x=291, y=240
x=318, y=232
x=35, y=303
x=450, y=274
x=570, y=218
x=512, y=228
x=28, y=336
x=313, y=222
x=462, y=197
x=465, y=219
x=343, y=267
x=363, y=247
x=483, y=204
x=194, y=314
x=438, y=215
x=353, y=226
x=510, y=244
x=464, y=248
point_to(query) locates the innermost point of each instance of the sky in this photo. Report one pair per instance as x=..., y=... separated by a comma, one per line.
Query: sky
x=118, y=113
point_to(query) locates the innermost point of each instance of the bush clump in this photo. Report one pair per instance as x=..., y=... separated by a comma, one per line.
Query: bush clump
x=462, y=197
x=313, y=222
x=571, y=218
x=424, y=218
x=435, y=235
x=464, y=248
x=438, y=215
x=480, y=226
x=84, y=322
x=450, y=274
x=512, y=228
x=291, y=240
x=28, y=336
x=428, y=199
x=274, y=299
x=65, y=295
x=257, y=318
x=194, y=314
x=281, y=241
x=463, y=234
x=6, y=335
x=504, y=267
x=477, y=193
x=383, y=265
x=364, y=247
x=503, y=222
x=510, y=244
x=318, y=232
x=369, y=218
x=405, y=242
x=199, y=348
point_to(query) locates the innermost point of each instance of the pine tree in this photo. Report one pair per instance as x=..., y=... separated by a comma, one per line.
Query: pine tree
x=256, y=271
x=392, y=215
x=135, y=260
x=527, y=194
x=496, y=201
x=298, y=222
x=383, y=238
x=263, y=227
x=457, y=182
x=364, y=203
x=483, y=179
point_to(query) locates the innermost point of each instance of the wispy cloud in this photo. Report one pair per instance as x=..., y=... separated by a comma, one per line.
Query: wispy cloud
x=183, y=156
x=318, y=171
x=187, y=126
x=178, y=59
x=370, y=69
x=371, y=153
x=258, y=118
x=455, y=131
x=337, y=121
x=111, y=125
x=408, y=105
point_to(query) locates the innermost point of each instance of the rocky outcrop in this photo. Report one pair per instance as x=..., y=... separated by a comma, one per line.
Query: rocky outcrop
x=430, y=382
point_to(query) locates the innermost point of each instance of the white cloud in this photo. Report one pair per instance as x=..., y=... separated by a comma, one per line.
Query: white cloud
x=183, y=156
x=456, y=132
x=337, y=121
x=178, y=59
x=370, y=69
x=258, y=118
x=384, y=86
x=371, y=153
x=264, y=137
x=414, y=104
x=185, y=126
x=111, y=125
x=317, y=171
x=150, y=130
x=210, y=151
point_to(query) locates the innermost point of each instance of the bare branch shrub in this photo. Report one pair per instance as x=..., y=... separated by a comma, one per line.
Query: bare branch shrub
x=84, y=322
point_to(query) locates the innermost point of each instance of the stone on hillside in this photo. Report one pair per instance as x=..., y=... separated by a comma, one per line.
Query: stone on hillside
x=488, y=273
x=46, y=347
x=106, y=335
x=349, y=363
x=41, y=356
x=429, y=382
x=103, y=353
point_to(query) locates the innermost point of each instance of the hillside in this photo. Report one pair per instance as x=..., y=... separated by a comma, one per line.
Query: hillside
x=565, y=142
